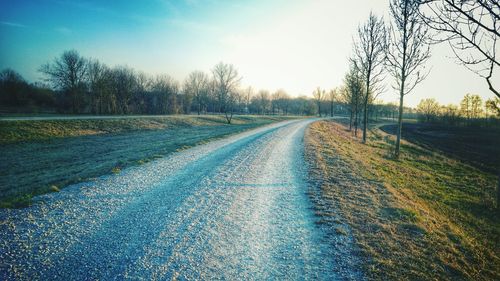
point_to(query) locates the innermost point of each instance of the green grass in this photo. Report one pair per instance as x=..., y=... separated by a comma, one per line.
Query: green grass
x=37, y=155
x=426, y=216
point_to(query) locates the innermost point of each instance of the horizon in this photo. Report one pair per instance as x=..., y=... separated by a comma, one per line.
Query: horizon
x=293, y=45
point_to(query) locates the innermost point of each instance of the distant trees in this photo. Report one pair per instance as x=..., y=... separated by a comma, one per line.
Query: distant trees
x=428, y=108
x=406, y=53
x=87, y=86
x=369, y=56
x=264, y=102
x=352, y=96
x=493, y=106
x=67, y=74
x=471, y=111
x=196, y=85
x=17, y=94
x=471, y=106
x=319, y=96
x=332, y=98
x=226, y=81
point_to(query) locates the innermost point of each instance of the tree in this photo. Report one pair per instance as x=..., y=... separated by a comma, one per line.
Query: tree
x=352, y=95
x=472, y=29
x=318, y=96
x=248, y=94
x=471, y=106
x=123, y=85
x=450, y=113
x=196, y=85
x=476, y=106
x=98, y=84
x=406, y=53
x=12, y=88
x=332, y=97
x=264, y=101
x=429, y=108
x=284, y=102
x=67, y=74
x=226, y=81
x=493, y=105
x=142, y=97
x=354, y=86
x=369, y=57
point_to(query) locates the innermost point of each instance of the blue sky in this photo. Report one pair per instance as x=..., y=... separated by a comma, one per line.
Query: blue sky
x=296, y=44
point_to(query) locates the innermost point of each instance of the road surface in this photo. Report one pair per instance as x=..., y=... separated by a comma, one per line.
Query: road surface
x=235, y=208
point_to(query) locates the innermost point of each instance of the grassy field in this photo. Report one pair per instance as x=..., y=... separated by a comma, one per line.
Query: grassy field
x=37, y=157
x=424, y=217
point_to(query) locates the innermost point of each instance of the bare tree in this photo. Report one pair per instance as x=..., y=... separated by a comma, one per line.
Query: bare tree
x=278, y=101
x=123, y=87
x=195, y=86
x=165, y=89
x=226, y=80
x=406, y=53
x=264, y=101
x=248, y=94
x=369, y=57
x=98, y=80
x=493, y=106
x=352, y=95
x=67, y=74
x=472, y=29
x=318, y=96
x=332, y=97
x=284, y=102
x=428, y=108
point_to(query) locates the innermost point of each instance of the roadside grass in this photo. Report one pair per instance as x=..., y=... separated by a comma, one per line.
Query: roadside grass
x=36, y=156
x=425, y=216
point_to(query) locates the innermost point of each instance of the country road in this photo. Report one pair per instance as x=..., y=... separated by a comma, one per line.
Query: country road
x=235, y=208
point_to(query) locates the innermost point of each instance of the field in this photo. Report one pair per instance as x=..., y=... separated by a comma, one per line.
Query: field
x=43, y=156
x=425, y=216
x=474, y=144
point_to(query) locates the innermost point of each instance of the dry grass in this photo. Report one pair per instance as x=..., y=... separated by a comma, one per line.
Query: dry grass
x=36, y=130
x=424, y=216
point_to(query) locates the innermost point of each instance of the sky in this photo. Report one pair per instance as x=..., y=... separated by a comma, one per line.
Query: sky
x=295, y=45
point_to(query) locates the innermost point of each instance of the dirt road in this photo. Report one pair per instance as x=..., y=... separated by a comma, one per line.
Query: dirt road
x=236, y=208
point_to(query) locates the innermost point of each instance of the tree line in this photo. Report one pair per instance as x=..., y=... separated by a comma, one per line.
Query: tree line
x=78, y=85
x=471, y=110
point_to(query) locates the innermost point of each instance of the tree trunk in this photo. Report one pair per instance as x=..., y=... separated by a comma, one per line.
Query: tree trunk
x=400, y=124
x=350, y=121
x=365, y=119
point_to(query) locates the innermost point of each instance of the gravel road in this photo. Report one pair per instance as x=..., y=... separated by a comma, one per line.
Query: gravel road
x=235, y=208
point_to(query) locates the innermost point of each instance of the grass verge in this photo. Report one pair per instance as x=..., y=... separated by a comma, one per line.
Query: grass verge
x=424, y=216
x=37, y=155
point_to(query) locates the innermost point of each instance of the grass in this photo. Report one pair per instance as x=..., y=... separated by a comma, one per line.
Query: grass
x=425, y=216
x=38, y=130
x=35, y=156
